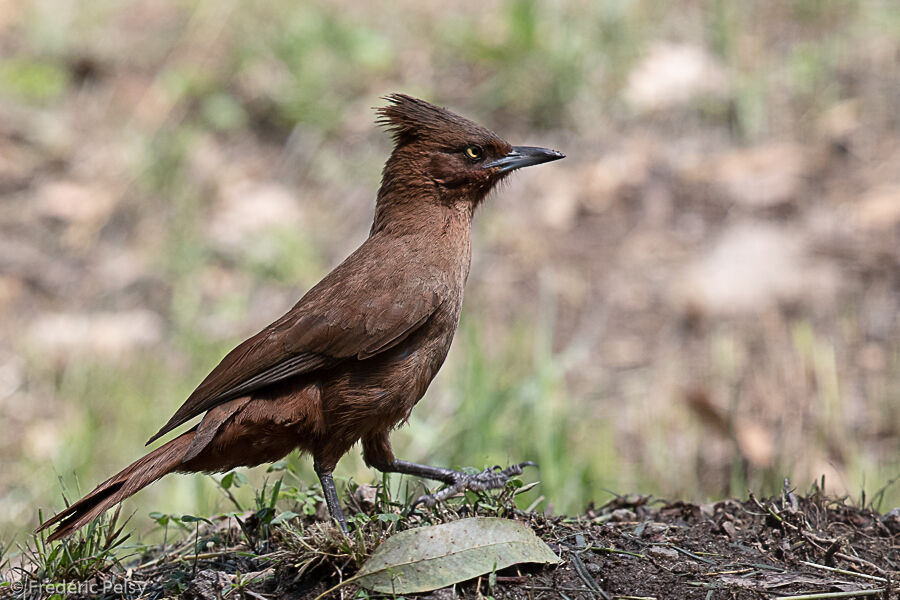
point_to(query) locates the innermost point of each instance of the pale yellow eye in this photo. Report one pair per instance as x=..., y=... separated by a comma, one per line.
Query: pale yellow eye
x=474, y=152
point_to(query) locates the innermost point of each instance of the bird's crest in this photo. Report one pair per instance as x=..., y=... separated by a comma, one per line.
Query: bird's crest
x=410, y=119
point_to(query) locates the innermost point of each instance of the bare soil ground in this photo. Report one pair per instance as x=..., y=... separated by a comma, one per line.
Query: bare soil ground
x=633, y=547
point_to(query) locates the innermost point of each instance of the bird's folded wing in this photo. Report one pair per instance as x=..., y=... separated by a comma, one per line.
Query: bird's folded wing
x=342, y=318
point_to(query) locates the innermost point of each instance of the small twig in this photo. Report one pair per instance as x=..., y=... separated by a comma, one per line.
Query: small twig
x=763, y=567
x=732, y=572
x=860, y=561
x=616, y=551
x=545, y=588
x=205, y=556
x=690, y=554
x=844, y=571
x=586, y=577
x=817, y=596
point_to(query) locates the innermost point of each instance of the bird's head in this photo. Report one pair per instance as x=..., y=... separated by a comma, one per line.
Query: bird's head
x=455, y=160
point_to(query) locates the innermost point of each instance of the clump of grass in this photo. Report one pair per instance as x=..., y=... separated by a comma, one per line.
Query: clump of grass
x=91, y=551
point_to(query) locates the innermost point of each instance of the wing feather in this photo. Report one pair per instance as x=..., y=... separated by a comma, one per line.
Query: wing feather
x=352, y=314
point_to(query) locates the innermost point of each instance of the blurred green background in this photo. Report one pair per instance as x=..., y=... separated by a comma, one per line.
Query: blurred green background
x=701, y=299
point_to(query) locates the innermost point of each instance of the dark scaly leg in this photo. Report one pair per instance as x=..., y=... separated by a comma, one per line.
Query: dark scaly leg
x=331, y=496
x=489, y=479
x=377, y=453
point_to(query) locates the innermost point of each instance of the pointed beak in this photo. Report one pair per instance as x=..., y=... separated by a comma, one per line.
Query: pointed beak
x=524, y=156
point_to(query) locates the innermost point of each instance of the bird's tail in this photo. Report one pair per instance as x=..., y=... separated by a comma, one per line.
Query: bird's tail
x=141, y=473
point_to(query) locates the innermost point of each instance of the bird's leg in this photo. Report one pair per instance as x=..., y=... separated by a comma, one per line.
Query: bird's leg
x=448, y=476
x=377, y=453
x=331, y=496
x=457, y=481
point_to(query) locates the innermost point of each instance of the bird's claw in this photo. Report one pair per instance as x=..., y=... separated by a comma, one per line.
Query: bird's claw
x=489, y=479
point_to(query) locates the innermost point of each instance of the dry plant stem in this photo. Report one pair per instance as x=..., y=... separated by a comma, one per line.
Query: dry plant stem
x=861, y=562
x=844, y=571
x=823, y=595
x=589, y=581
x=617, y=551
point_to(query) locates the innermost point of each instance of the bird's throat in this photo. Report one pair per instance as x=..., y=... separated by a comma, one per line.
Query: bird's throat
x=421, y=211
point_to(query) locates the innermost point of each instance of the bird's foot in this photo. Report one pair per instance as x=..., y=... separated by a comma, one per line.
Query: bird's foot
x=489, y=479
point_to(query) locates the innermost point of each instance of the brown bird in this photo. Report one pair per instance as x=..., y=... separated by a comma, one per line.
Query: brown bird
x=350, y=360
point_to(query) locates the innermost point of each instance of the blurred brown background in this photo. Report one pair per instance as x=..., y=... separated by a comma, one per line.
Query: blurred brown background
x=701, y=299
